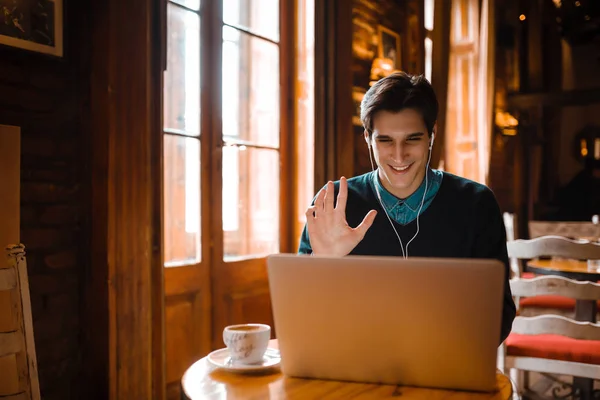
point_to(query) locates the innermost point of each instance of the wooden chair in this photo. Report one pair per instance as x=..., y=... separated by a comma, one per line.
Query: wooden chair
x=557, y=246
x=512, y=233
x=18, y=365
x=574, y=230
x=530, y=306
x=552, y=343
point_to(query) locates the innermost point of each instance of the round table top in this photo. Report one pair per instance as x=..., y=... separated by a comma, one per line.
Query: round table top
x=203, y=381
x=573, y=269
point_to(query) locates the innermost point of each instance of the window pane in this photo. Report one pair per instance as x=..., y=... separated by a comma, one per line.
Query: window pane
x=250, y=201
x=305, y=111
x=258, y=16
x=181, y=200
x=250, y=88
x=182, y=78
x=193, y=4
x=428, y=58
x=429, y=5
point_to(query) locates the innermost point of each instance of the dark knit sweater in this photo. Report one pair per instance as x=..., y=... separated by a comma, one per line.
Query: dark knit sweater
x=463, y=221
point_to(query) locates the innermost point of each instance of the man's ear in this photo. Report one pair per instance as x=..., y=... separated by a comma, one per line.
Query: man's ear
x=367, y=138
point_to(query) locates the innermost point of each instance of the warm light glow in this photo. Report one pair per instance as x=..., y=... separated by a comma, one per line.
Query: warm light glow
x=505, y=119
x=506, y=122
x=428, y=58
x=428, y=14
x=584, y=150
x=305, y=111
x=381, y=68
x=522, y=17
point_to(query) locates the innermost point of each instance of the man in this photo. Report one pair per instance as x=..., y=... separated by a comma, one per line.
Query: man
x=403, y=207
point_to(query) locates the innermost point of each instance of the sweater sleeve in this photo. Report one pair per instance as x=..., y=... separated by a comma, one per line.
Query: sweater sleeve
x=490, y=242
x=304, y=247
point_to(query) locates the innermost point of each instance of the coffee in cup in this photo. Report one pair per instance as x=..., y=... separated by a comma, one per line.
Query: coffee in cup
x=247, y=343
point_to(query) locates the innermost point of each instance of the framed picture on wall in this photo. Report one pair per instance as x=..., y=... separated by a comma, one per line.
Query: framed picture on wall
x=389, y=45
x=35, y=25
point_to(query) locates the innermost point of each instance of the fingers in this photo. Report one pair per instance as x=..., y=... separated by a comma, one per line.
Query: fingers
x=342, y=195
x=329, y=194
x=366, y=223
x=319, y=202
x=310, y=213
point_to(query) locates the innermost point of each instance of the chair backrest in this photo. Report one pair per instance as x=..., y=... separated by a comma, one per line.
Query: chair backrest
x=19, y=377
x=557, y=246
x=555, y=324
x=575, y=230
x=512, y=233
x=555, y=286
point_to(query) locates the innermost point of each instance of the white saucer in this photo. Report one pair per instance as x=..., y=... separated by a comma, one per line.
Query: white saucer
x=220, y=358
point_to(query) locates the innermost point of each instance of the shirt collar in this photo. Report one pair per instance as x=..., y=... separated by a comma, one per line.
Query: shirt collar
x=412, y=202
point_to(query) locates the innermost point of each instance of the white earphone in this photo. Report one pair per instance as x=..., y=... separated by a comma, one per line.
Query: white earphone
x=404, y=251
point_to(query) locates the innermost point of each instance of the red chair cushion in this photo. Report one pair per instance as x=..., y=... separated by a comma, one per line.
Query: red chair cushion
x=527, y=275
x=554, y=347
x=548, y=301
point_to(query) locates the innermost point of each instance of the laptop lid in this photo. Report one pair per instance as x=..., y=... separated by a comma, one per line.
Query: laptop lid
x=427, y=322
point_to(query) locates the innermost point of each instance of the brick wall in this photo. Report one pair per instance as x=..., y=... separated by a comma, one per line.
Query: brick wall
x=45, y=96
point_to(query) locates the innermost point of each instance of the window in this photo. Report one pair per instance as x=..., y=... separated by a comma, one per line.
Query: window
x=249, y=138
x=182, y=135
x=232, y=186
x=305, y=105
x=428, y=19
x=251, y=155
x=461, y=139
x=470, y=89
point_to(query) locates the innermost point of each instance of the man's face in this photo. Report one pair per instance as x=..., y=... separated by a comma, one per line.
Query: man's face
x=400, y=145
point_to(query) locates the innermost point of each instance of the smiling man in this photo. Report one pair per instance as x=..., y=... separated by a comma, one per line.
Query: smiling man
x=405, y=208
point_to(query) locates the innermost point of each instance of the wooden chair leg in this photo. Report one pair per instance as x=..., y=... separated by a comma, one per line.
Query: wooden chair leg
x=518, y=378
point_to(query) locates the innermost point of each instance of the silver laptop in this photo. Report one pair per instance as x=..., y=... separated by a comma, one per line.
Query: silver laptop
x=428, y=322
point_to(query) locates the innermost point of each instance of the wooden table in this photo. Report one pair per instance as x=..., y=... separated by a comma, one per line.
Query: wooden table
x=585, y=310
x=573, y=269
x=203, y=381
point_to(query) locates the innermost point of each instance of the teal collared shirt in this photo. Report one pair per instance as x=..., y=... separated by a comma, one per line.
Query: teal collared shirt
x=404, y=211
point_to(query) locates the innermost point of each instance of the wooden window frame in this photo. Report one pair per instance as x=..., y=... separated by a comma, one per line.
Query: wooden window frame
x=212, y=142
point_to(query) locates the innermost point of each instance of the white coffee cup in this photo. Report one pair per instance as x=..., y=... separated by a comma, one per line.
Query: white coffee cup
x=247, y=343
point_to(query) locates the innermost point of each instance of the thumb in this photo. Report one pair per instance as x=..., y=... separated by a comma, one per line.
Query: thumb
x=366, y=223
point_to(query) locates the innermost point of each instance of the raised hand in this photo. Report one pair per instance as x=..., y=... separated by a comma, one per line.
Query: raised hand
x=328, y=231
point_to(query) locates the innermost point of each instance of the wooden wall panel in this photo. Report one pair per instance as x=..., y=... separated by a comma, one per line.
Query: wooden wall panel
x=244, y=306
x=179, y=350
x=124, y=349
x=10, y=171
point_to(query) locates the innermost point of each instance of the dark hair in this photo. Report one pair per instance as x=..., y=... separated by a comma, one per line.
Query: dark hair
x=397, y=92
